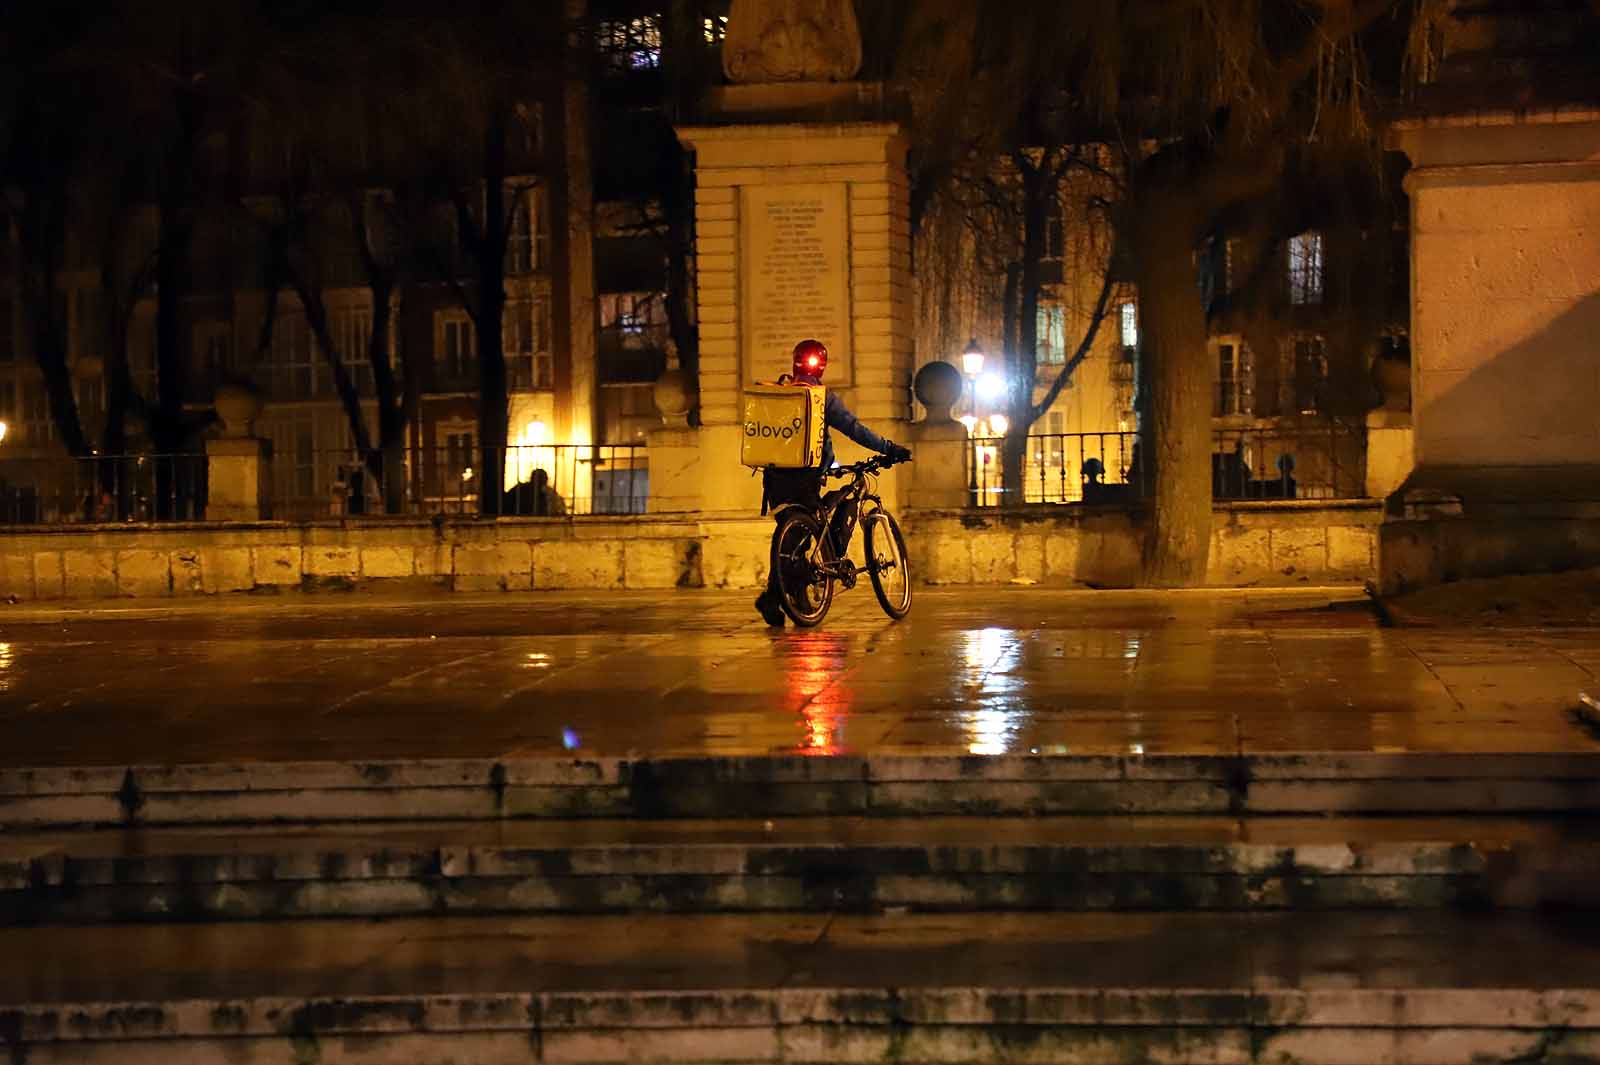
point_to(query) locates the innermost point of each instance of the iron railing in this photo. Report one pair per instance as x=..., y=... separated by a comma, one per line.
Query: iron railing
x=549, y=480
x=1320, y=460
x=1326, y=460
x=1058, y=468
x=102, y=488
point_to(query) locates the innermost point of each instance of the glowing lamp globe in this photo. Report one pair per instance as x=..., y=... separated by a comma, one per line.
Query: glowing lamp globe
x=972, y=358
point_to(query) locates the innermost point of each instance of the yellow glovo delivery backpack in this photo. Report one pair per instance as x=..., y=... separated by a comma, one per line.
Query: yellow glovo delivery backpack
x=783, y=425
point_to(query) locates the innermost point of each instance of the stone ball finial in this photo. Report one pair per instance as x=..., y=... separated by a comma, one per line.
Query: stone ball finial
x=791, y=40
x=938, y=387
x=238, y=405
x=674, y=397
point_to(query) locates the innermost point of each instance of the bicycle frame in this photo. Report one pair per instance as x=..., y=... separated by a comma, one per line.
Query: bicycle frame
x=807, y=562
x=860, y=492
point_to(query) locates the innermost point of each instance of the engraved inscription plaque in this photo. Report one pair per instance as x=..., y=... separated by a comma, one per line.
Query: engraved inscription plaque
x=795, y=259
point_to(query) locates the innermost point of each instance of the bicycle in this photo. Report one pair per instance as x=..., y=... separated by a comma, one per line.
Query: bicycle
x=808, y=563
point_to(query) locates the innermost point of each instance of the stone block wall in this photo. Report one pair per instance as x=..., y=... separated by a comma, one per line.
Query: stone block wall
x=1251, y=544
x=1505, y=287
x=1420, y=553
x=88, y=562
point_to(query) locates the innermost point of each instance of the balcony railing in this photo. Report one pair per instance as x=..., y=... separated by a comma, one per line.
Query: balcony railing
x=102, y=488
x=1321, y=461
x=550, y=480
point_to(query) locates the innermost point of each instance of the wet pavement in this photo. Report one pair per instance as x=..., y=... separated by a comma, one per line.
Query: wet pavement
x=980, y=670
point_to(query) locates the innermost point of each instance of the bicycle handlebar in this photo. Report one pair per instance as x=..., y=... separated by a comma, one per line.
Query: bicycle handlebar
x=875, y=463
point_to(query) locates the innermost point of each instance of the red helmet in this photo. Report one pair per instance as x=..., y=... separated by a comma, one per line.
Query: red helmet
x=810, y=359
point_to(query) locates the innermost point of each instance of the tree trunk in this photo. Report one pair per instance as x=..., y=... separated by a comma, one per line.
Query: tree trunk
x=42, y=227
x=391, y=453
x=1038, y=188
x=1175, y=427
x=493, y=394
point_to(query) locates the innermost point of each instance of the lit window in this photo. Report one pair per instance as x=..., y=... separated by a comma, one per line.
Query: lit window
x=1128, y=321
x=528, y=246
x=716, y=28
x=1305, y=268
x=458, y=348
x=1227, y=380
x=630, y=44
x=1051, y=344
x=1055, y=231
x=352, y=333
x=527, y=335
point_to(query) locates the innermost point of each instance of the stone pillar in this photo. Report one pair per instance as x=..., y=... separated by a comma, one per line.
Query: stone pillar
x=239, y=464
x=239, y=479
x=938, y=478
x=1389, y=451
x=674, y=449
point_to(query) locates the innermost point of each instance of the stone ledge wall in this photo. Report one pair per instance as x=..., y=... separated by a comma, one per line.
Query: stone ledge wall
x=1421, y=553
x=96, y=562
x=1251, y=543
x=1280, y=543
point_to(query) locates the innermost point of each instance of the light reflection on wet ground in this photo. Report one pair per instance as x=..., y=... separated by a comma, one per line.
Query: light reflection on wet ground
x=983, y=671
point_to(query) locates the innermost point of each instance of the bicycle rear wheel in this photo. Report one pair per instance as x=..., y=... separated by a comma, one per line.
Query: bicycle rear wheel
x=799, y=553
x=887, y=564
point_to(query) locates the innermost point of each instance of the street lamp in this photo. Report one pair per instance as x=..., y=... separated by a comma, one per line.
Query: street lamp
x=972, y=359
x=972, y=368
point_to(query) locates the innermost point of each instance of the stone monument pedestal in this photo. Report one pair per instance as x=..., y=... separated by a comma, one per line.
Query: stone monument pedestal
x=238, y=479
x=1389, y=451
x=802, y=231
x=1505, y=306
x=939, y=473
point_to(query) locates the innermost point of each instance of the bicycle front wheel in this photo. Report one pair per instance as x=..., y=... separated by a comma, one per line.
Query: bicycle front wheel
x=887, y=564
x=799, y=558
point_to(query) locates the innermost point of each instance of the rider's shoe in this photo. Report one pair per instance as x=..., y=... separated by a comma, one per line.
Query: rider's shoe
x=770, y=611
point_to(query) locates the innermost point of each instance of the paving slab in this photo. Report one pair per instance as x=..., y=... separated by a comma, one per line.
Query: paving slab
x=982, y=671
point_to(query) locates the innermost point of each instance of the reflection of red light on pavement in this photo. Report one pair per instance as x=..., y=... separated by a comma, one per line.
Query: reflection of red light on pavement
x=824, y=709
x=822, y=725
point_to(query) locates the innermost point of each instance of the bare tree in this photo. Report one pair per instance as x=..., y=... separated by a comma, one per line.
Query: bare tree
x=1208, y=104
x=999, y=146
x=490, y=69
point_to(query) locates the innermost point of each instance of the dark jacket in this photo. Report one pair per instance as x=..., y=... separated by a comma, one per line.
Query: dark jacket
x=840, y=417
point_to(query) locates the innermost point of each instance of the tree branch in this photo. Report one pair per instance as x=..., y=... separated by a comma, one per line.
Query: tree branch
x=1084, y=347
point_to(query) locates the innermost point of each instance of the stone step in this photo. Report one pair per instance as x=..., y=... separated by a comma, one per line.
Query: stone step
x=1337, y=989
x=877, y=785
x=850, y=864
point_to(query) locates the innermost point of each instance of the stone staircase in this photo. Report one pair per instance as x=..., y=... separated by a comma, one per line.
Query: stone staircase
x=1403, y=909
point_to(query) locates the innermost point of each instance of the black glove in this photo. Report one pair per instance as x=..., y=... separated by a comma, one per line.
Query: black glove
x=897, y=453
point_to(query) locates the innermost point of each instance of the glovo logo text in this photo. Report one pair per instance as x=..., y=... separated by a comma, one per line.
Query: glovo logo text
x=769, y=432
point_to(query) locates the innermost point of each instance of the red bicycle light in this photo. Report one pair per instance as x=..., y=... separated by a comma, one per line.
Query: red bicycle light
x=811, y=360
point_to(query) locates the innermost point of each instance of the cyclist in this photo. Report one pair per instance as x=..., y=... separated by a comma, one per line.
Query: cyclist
x=781, y=488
